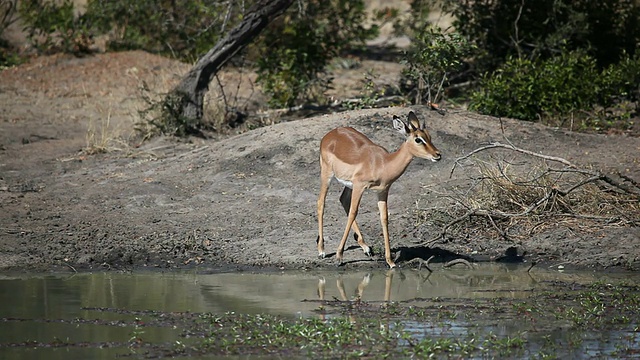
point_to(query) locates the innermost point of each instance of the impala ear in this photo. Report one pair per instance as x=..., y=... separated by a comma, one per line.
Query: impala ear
x=413, y=120
x=399, y=125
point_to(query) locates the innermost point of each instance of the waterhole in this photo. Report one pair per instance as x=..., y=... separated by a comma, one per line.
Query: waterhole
x=105, y=315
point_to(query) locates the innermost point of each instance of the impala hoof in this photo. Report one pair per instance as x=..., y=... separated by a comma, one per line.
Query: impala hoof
x=367, y=251
x=322, y=255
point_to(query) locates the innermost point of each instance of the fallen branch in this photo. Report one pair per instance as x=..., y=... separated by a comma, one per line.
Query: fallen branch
x=495, y=145
x=595, y=175
x=626, y=178
x=443, y=232
x=70, y=267
x=549, y=195
x=421, y=262
x=456, y=262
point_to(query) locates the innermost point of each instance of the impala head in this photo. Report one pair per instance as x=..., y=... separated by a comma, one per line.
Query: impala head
x=418, y=137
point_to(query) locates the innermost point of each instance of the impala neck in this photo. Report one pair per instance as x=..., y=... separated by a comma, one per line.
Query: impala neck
x=399, y=160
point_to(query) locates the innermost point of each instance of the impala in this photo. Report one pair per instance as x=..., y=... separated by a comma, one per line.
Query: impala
x=359, y=164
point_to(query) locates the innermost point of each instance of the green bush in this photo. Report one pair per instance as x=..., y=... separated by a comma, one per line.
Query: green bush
x=541, y=29
x=9, y=55
x=558, y=86
x=54, y=27
x=511, y=91
x=290, y=56
x=298, y=46
x=184, y=29
x=432, y=56
x=548, y=58
x=620, y=82
x=162, y=117
x=566, y=83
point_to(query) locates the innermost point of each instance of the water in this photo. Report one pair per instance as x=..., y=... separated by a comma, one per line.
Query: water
x=45, y=309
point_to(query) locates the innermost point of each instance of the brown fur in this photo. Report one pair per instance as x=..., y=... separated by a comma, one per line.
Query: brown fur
x=353, y=158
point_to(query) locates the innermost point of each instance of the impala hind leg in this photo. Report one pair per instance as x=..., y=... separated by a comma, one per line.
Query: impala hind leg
x=356, y=195
x=345, y=200
x=325, y=179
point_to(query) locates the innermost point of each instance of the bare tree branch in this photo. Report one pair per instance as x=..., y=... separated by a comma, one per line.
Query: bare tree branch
x=495, y=145
x=456, y=262
x=550, y=195
x=421, y=263
x=195, y=84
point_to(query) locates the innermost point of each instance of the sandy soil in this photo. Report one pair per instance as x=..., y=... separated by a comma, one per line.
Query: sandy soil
x=244, y=200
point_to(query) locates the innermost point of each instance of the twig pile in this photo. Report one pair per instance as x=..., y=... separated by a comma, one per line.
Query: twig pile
x=517, y=199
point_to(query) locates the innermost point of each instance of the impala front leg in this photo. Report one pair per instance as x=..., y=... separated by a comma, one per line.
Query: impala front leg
x=384, y=219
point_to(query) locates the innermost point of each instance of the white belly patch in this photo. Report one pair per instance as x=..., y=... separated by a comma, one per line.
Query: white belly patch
x=346, y=183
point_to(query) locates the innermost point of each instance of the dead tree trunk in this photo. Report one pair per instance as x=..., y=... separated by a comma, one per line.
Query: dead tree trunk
x=188, y=96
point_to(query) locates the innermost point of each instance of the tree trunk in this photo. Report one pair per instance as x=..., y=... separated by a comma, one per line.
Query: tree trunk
x=189, y=94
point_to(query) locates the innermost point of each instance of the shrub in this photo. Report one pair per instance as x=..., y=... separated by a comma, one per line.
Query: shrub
x=510, y=91
x=433, y=55
x=291, y=55
x=561, y=85
x=184, y=29
x=9, y=56
x=297, y=47
x=54, y=27
x=620, y=82
x=554, y=58
x=566, y=83
x=526, y=89
x=542, y=29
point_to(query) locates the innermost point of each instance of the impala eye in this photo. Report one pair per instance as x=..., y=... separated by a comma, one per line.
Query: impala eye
x=420, y=141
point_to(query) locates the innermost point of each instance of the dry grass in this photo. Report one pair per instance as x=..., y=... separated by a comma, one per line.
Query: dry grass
x=103, y=137
x=519, y=197
x=541, y=191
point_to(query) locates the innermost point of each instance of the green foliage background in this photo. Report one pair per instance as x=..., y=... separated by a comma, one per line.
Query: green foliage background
x=297, y=48
x=522, y=59
x=184, y=29
x=553, y=58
